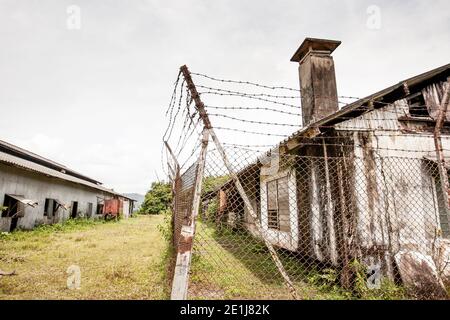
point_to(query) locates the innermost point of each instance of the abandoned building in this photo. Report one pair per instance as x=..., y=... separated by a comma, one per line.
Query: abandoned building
x=35, y=190
x=361, y=181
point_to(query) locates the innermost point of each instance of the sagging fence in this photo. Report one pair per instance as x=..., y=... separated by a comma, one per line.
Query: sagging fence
x=339, y=216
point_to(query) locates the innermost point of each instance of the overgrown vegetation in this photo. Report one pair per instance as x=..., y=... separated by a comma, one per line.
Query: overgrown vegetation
x=118, y=260
x=158, y=199
x=236, y=265
x=168, y=257
x=210, y=183
x=69, y=225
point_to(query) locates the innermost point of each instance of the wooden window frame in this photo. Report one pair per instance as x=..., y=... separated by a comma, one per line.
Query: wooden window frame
x=273, y=215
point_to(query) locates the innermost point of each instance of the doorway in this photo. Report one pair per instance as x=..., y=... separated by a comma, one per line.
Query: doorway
x=74, y=212
x=13, y=210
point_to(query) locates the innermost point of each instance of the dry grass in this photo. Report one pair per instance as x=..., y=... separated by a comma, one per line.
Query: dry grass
x=118, y=260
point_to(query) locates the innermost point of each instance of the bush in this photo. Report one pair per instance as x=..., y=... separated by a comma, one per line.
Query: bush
x=157, y=199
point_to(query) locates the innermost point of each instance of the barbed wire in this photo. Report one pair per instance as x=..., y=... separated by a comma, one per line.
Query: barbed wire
x=253, y=108
x=252, y=97
x=171, y=105
x=247, y=93
x=253, y=121
x=245, y=82
x=252, y=132
x=178, y=109
x=194, y=150
x=250, y=145
x=189, y=127
x=212, y=89
x=366, y=147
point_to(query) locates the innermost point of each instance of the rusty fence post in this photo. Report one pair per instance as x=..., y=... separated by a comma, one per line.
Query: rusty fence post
x=186, y=240
x=207, y=125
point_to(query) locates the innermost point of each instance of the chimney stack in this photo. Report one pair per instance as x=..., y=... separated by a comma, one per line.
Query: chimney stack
x=317, y=78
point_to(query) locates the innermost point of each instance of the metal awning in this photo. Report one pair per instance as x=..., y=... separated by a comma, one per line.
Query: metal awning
x=22, y=199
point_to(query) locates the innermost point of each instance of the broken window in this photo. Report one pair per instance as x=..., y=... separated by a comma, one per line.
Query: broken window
x=278, y=204
x=89, y=209
x=50, y=207
x=417, y=106
x=14, y=209
x=11, y=206
x=99, y=208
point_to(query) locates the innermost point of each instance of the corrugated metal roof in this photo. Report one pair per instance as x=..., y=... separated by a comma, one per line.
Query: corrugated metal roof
x=35, y=167
x=28, y=155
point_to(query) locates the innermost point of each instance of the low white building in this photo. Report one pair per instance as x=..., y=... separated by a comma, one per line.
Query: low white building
x=35, y=190
x=358, y=183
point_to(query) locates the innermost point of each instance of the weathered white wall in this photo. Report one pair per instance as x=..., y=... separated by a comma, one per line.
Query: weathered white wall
x=395, y=186
x=288, y=240
x=39, y=187
x=126, y=209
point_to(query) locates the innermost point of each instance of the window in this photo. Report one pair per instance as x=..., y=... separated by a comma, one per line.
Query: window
x=50, y=207
x=89, y=209
x=14, y=209
x=417, y=106
x=444, y=218
x=11, y=206
x=278, y=204
x=99, y=208
x=74, y=212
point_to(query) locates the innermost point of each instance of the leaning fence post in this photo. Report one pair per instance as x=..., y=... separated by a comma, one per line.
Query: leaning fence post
x=207, y=124
x=186, y=240
x=443, y=175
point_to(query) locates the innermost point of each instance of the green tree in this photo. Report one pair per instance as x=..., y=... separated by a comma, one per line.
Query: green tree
x=157, y=199
x=210, y=183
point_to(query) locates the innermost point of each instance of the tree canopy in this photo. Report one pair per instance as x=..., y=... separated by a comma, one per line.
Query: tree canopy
x=157, y=199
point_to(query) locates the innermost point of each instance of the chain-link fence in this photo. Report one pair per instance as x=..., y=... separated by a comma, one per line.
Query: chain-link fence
x=354, y=207
x=343, y=227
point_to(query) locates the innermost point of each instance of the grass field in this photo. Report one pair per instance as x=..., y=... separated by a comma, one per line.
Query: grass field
x=118, y=260
x=129, y=259
x=234, y=265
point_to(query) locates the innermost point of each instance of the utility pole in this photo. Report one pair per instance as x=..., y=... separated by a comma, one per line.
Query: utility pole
x=207, y=126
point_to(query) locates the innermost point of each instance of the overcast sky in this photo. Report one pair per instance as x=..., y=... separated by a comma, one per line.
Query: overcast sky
x=94, y=98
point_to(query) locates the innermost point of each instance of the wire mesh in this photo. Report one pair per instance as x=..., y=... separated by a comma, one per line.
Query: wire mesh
x=356, y=210
x=343, y=226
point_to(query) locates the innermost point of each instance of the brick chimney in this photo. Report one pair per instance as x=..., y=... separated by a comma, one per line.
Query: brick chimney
x=317, y=78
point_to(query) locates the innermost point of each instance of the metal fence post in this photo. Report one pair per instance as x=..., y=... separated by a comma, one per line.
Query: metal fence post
x=186, y=240
x=203, y=114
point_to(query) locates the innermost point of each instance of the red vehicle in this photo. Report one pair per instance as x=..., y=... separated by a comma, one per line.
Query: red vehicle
x=112, y=208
